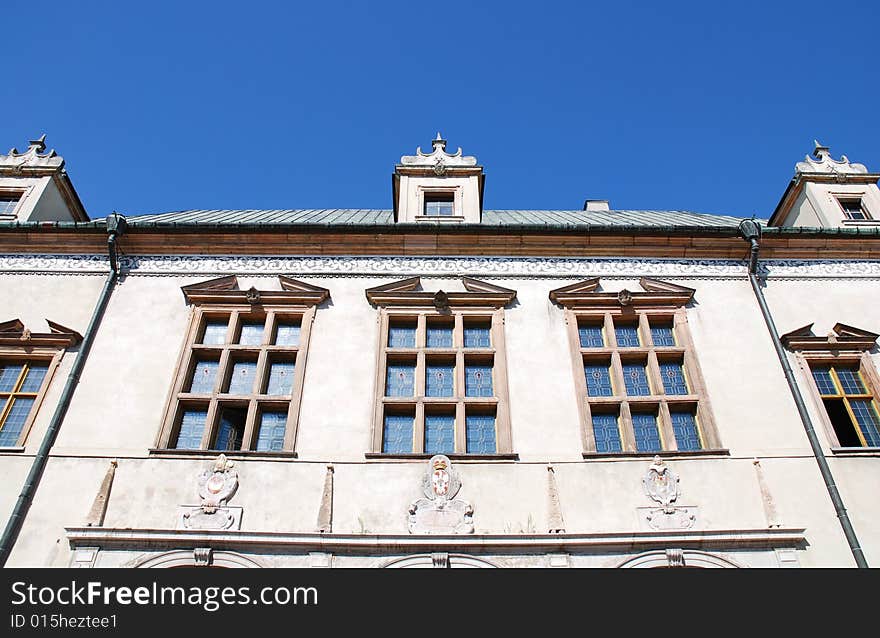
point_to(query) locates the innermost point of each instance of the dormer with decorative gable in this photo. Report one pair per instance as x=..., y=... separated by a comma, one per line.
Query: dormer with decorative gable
x=829, y=193
x=438, y=187
x=35, y=187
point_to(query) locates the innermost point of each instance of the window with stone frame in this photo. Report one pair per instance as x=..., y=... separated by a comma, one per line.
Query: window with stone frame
x=28, y=361
x=640, y=390
x=241, y=372
x=843, y=382
x=441, y=382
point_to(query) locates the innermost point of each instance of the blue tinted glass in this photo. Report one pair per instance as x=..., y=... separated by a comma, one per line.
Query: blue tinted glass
x=439, y=337
x=645, y=431
x=400, y=381
x=636, y=380
x=438, y=208
x=866, y=416
x=598, y=381
x=242, y=379
x=9, y=376
x=397, y=435
x=477, y=337
x=204, y=376
x=230, y=430
x=251, y=334
x=478, y=381
x=215, y=333
x=8, y=204
x=287, y=334
x=480, y=431
x=850, y=381
x=402, y=337
x=685, y=427
x=822, y=376
x=34, y=378
x=10, y=429
x=606, y=433
x=192, y=426
x=439, y=434
x=662, y=335
x=627, y=336
x=271, y=435
x=439, y=381
x=280, y=378
x=591, y=336
x=673, y=378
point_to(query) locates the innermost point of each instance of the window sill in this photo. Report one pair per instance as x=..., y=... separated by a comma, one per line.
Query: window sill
x=860, y=222
x=231, y=454
x=440, y=218
x=454, y=457
x=12, y=449
x=666, y=454
x=855, y=451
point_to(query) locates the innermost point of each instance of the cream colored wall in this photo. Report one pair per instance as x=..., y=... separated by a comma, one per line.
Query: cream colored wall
x=42, y=200
x=816, y=206
x=117, y=410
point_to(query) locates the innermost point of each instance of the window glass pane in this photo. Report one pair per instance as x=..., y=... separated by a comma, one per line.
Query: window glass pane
x=192, y=426
x=636, y=379
x=271, y=434
x=287, y=334
x=627, y=336
x=662, y=335
x=398, y=434
x=439, y=434
x=251, y=333
x=438, y=205
x=402, y=337
x=8, y=203
x=34, y=378
x=215, y=333
x=9, y=374
x=230, y=431
x=606, y=433
x=646, y=433
x=477, y=337
x=685, y=427
x=598, y=381
x=204, y=375
x=400, y=381
x=478, y=381
x=822, y=376
x=14, y=422
x=850, y=381
x=439, y=381
x=866, y=416
x=439, y=337
x=480, y=429
x=242, y=379
x=591, y=336
x=280, y=378
x=673, y=378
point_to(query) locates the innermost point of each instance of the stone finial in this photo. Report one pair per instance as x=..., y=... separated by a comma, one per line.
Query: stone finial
x=325, y=512
x=98, y=510
x=439, y=142
x=555, y=523
x=770, y=511
x=820, y=152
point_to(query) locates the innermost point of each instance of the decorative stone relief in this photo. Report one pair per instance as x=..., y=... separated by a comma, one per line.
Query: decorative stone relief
x=215, y=487
x=662, y=486
x=441, y=512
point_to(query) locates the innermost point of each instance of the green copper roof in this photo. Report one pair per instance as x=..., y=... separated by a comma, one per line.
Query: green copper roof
x=510, y=218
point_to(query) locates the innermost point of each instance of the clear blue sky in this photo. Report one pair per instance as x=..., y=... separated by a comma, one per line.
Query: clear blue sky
x=700, y=106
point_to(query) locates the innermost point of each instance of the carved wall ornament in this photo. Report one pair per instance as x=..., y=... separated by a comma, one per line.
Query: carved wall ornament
x=215, y=487
x=440, y=512
x=625, y=297
x=252, y=295
x=661, y=485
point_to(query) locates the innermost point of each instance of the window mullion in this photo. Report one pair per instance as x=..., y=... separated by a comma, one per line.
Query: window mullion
x=460, y=412
x=627, y=435
x=250, y=426
x=210, y=422
x=419, y=428
x=667, y=432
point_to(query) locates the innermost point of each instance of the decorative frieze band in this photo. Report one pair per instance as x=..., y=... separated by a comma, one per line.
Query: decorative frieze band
x=515, y=267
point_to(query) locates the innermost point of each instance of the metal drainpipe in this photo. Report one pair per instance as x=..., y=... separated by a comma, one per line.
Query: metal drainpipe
x=115, y=226
x=751, y=232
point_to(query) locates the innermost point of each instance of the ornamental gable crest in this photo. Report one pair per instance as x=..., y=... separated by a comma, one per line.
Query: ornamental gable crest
x=440, y=512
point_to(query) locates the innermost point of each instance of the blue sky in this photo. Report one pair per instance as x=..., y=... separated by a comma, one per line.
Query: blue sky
x=677, y=105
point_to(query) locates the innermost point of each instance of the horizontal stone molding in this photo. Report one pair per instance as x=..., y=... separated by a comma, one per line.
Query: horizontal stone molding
x=514, y=267
x=140, y=539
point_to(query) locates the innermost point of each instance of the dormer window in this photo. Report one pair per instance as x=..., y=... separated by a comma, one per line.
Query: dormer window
x=439, y=204
x=853, y=208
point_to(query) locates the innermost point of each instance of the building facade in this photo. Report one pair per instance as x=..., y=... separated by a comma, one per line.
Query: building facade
x=439, y=385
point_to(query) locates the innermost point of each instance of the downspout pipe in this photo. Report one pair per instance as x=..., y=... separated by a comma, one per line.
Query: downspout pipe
x=115, y=227
x=751, y=232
